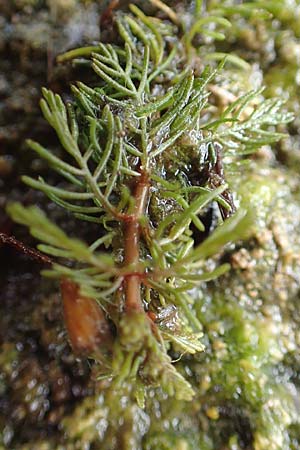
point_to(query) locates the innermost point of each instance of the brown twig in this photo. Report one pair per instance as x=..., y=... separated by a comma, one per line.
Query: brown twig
x=216, y=179
x=21, y=247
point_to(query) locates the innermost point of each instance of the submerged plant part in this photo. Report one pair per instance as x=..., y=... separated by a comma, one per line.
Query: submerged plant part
x=143, y=152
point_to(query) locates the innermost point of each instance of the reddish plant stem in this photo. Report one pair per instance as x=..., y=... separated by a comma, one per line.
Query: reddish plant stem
x=132, y=282
x=106, y=18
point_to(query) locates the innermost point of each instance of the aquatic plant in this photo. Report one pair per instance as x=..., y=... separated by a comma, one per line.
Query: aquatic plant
x=143, y=158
